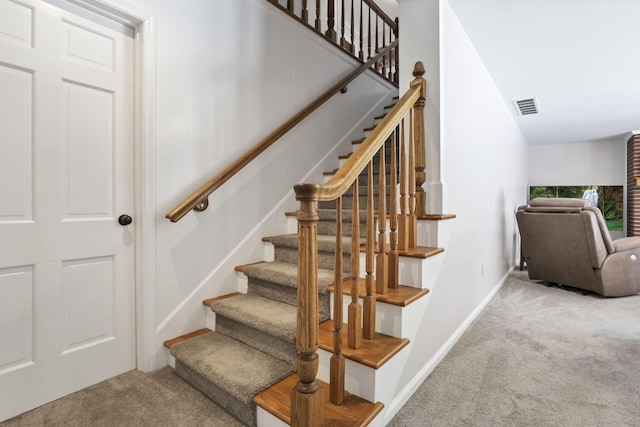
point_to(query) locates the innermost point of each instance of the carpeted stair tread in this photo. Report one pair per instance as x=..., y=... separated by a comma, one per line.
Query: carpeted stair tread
x=272, y=317
x=286, y=274
x=326, y=242
x=228, y=371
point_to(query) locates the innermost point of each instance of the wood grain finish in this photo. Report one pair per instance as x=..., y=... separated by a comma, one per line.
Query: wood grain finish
x=401, y=296
x=306, y=400
x=373, y=353
x=369, y=302
x=306, y=397
x=182, y=338
x=419, y=135
x=354, y=411
x=354, y=312
x=394, y=259
x=209, y=301
x=336, y=368
x=422, y=252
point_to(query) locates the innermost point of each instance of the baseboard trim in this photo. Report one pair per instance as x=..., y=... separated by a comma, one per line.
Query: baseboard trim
x=431, y=364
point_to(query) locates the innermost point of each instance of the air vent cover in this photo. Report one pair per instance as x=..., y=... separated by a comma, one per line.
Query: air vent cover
x=527, y=106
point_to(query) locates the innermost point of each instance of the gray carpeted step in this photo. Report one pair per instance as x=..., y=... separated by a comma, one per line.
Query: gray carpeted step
x=286, y=250
x=286, y=294
x=285, y=274
x=228, y=372
x=274, y=318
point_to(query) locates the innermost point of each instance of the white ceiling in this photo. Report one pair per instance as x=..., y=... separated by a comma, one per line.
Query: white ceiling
x=579, y=58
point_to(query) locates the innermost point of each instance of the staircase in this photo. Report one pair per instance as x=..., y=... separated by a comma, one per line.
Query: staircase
x=245, y=360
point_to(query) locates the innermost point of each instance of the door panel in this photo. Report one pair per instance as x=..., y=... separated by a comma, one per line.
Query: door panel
x=67, y=285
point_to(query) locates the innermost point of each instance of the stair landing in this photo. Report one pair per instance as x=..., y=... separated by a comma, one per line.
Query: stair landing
x=354, y=411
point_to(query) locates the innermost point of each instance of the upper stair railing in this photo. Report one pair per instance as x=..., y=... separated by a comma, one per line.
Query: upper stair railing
x=402, y=211
x=359, y=27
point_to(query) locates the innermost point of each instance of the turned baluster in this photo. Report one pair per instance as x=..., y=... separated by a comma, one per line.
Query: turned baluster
x=361, y=54
x=382, y=260
x=412, y=221
x=418, y=125
x=331, y=15
x=336, y=365
x=383, y=60
x=343, y=43
x=369, y=37
x=318, y=21
x=307, y=401
x=376, y=48
x=354, y=331
x=369, y=321
x=305, y=12
x=396, y=75
x=394, y=258
x=403, y=236
x=352, y=48
x=290, y=6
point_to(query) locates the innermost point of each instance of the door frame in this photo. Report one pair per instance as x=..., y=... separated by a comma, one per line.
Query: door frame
x=144, y=26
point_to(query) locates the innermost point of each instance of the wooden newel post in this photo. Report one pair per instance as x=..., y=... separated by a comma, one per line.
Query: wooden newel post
x=307, y=405
x=418, y=132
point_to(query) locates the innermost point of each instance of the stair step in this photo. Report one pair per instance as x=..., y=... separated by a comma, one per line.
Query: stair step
x=421, y=252
x=286, y=249
x=401, y=296
x=373, y=353
x=271, y=317
x=285, y=274
x=210, y=301
x=354, y=411
x=182, y=338
x=228, y=372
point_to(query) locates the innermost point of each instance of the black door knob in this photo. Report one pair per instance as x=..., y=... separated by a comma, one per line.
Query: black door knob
x=125, y=220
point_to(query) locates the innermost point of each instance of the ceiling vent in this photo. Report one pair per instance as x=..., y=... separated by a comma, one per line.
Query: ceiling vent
x=527, y=106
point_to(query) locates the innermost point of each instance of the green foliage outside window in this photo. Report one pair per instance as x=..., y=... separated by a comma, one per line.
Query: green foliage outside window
x=610, y=199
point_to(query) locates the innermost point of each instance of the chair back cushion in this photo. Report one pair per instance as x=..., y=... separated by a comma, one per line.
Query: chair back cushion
x=563, y=240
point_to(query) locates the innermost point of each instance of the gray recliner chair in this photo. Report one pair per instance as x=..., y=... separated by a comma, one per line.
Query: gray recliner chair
x=567, y=241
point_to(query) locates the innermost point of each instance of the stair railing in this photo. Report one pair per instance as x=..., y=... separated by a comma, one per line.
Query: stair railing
x=359, y=27
x=306, y=397
x=199, y=199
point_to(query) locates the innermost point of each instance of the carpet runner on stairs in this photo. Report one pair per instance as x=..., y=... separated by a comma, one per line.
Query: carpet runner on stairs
x=253, y=346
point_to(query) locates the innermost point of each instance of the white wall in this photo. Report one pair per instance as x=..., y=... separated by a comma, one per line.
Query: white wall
x=484, y=178
x=228, y=73
x=601, y=162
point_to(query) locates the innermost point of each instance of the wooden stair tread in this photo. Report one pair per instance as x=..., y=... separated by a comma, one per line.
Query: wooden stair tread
x=240, y=268
x=436, y=217
x=353, y=412
x=209, y=301
x=422, y=252
x=182, y=338
x=373, y=353
x=401, y=296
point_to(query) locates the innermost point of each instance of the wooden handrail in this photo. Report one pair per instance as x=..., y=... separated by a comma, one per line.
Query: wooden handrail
x=360, y=158
x=212, y=185
x=374, y=7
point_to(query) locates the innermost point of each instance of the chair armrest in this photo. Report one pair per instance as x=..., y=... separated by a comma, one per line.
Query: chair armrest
x=626, y=244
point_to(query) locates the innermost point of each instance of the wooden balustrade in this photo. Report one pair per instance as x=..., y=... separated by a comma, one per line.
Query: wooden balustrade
x=305, y=397
x=338, y=23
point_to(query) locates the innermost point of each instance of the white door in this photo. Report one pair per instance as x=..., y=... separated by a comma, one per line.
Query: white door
x=66, y=175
